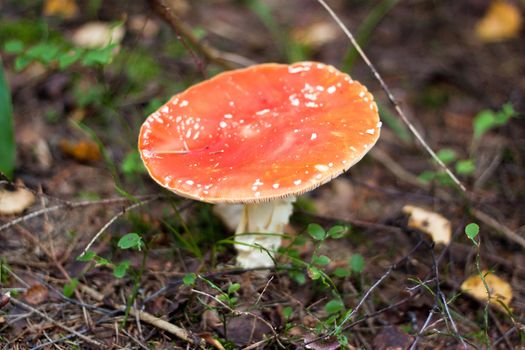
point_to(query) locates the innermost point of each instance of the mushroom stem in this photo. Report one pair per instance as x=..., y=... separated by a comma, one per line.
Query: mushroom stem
x=261, y=225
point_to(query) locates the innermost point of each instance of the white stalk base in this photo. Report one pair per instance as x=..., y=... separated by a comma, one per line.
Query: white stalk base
x=269, y=219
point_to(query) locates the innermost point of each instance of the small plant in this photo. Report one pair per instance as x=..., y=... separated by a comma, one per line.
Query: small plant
x=489, y=119
x=483, y=122
x=57, y=55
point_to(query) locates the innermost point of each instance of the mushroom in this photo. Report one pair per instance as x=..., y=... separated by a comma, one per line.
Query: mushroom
x=260, y=136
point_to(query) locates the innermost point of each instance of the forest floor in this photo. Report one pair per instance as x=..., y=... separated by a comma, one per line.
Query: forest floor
x=383, y=285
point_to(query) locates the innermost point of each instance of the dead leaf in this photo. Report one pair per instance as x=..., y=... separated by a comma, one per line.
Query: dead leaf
x=210, y=340
x=317, y=34
x=437, y=226
x=36, y=294
x=98, y=34
x=83, y=151
x=64, y=8
x=330, y=343
x=502, y=21
x=144, y=26
x=15, y=201
x=500, y=290
x=4, y=299
x=392, y=338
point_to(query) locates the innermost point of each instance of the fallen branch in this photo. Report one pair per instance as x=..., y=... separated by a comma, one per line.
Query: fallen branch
x=166, y=326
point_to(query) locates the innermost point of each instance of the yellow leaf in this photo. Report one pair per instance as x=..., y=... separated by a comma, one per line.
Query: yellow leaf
x=500, y=290
x=434, y=224
x=64, y=8
x=83, y=151
x=502, y=21
x=16, y=201
x=98, y=34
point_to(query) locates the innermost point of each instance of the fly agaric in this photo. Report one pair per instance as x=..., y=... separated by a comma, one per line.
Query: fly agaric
x=260, y=136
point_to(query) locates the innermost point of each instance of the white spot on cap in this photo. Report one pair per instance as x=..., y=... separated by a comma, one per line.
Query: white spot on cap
x=189, y=182
x=362, y=94
x=298, y=69
x=321, y=167
x=228, y=116
x=314, y=136
x=331, y=89
x=258, y=182
x=276, y=186
x=379, y=124
x=184, y=103
x=223, y=124
x=371, y=131
x=262, y=112
x=294, y=100
x=318, y=176
x=165, y=109
x=297, y=182
x=330, y=164
x=178, y=119
x=353, y=148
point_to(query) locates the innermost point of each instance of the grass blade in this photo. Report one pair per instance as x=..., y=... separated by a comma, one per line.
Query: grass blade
x=7, y=137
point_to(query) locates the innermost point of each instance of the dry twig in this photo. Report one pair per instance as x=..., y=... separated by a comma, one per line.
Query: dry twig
x=56, y=323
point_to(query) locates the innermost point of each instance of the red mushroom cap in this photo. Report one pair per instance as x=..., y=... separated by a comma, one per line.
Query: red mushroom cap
x=260, y=133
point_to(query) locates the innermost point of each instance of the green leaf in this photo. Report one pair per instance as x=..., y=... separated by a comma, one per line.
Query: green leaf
x=14, y=46
x=487, y=119
x=234, y=287
x=357, y=263
x=87, y=256
x=287, y=312
x=189, y=279
x=472, y=230
x=334, y=306
x=7, y=137
x=21, y=62
x=67, y=59
x=427, y=176
x=316, y=231
x=100, y=56
x=101, y=261
x=341, y=273
x=465, y=167
x=131, y=240
x=298, y=277
x=132, y=164
x=120, y=270
x=322, y=260
x=69, y=288
x=447, y=155
x=314, y=272
x=44, y=52
x=337, y=231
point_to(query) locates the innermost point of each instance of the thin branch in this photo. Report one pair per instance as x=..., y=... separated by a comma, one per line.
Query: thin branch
x=69, y=205
x=390, y=96
x=185, y=33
